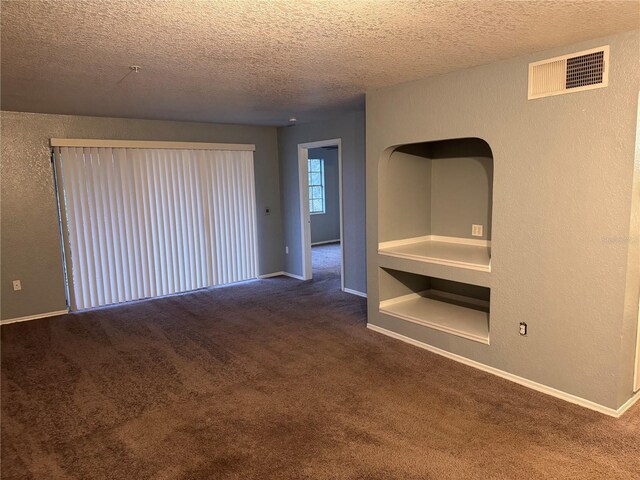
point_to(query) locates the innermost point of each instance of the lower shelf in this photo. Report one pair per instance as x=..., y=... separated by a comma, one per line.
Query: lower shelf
x=461, y=316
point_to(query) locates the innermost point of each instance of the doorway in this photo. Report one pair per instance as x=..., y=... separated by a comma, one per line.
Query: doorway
x=320, y=179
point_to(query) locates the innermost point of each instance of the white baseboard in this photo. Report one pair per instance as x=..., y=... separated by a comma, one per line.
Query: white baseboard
x=279, y=274
x=33, y=317
x=272, y=274
x=354, y=292
x=292, y=275
x=337, y=240
x=510, y=376
x=628, y=404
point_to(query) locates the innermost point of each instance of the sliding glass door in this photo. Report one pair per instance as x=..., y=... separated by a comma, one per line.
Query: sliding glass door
x=147, y=222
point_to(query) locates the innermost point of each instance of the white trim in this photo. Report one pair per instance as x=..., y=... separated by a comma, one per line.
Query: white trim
x=325, y=242
x=401, y=298
x=628, y=404
x=484, y=339
x=510, y=376
x=354, y=292
x=438, y=293
x=437, y=261
x=96, y=143
x=293, y=275
x=403, y=242
x=383, y=248
x=340, y=207
x=636, y=374
x=434, y=238
x=320, y=143
x=269, y=275
x=280, y=274
x=476, y=242
x=33, y=317
x=305, y=218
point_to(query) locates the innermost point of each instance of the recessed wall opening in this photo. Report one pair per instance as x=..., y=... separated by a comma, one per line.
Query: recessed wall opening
x=436, y=201
x=453, y=307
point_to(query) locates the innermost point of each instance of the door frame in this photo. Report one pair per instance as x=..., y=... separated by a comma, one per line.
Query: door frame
x=636, y=375
x=305, y=217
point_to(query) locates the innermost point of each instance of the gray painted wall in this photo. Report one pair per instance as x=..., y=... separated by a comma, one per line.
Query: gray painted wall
x=447, y=184
x=326, y=226
x=30, y=244
x=564, y=236
x=461, y=188
x=350, y=128
x=405, y=199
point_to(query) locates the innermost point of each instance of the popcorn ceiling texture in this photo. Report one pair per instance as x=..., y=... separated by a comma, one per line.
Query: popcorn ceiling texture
x=261, y=62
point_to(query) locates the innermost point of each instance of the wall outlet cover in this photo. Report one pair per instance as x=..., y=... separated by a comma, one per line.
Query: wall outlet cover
x=17, y=285
x=476, y=230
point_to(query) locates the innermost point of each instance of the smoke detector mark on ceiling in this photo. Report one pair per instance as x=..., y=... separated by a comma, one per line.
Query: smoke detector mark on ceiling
x=132, y=69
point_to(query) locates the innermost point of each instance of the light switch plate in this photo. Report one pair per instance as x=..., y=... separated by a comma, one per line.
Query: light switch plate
x=17, y=285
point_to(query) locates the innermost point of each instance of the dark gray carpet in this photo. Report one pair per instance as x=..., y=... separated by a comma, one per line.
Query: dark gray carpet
x=276, y=379
x=325, y=259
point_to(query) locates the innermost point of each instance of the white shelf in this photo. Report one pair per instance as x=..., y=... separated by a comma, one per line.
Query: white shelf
x=456, y=252
x=423, y=308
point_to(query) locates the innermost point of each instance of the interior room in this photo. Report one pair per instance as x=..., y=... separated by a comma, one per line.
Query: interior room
x=324, y=210
x=319, y=240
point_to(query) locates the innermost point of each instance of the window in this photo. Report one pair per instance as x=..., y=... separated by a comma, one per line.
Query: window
x=316, y=186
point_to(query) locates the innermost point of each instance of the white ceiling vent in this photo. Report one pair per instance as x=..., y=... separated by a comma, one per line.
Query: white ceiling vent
x=569, y=73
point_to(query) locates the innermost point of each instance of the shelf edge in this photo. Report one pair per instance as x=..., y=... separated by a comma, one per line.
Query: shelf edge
x=434, y=238
x=436, y=326
x=437, y=261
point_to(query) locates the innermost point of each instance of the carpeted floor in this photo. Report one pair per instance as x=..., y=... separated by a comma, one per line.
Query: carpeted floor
x=277, y=379
x=325, y=260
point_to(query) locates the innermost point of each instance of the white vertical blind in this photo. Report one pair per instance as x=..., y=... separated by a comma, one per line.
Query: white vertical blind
x=150, y=222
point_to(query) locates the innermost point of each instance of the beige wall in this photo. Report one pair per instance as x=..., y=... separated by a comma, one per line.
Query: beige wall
x=563, y=241
x=30, y=244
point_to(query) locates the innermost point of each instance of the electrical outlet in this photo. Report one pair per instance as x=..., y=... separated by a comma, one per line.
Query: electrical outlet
x=286, y=250
x=17, y=285
x=267, y=211
x=476, y=230
x=523, y=328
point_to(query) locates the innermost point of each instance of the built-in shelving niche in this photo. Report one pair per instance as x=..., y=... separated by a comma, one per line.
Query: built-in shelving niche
x=431, y=194
x=453, y=307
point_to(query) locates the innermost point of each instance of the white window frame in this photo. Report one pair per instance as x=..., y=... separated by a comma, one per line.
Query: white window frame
x=322, y=185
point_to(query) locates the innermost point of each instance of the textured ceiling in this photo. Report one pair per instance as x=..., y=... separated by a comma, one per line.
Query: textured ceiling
x=260, y=62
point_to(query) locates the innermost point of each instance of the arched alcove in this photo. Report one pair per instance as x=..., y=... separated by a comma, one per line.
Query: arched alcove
x=438, y=188
x=434, y=245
